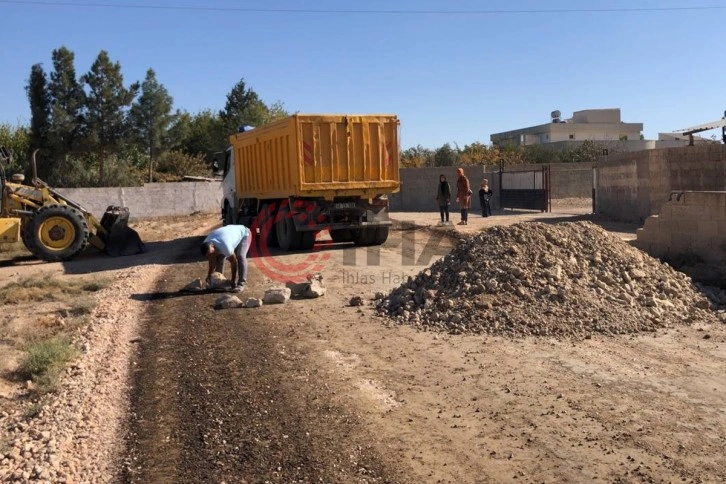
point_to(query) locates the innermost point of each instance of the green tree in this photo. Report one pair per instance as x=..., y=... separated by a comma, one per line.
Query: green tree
x=243, y=108
x=40, y=107
x=417, y=156
x=203, y=134
x=66, y=113
x=107, y=104
x=446, y=156
x=179, y=130
x=16, y=139
x=150, y=117
x=478, y=153
x=274, y=112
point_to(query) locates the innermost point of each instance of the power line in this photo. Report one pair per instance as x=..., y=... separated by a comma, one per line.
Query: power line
x=356, y=11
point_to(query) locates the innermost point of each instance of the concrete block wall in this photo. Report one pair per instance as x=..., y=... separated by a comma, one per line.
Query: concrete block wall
x=152, y=199
x=688, y=223
x=567, y=180
x=632, y=186
x=419, y=185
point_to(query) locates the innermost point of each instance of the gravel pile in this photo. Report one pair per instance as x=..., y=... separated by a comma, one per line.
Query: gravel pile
x=568, y=279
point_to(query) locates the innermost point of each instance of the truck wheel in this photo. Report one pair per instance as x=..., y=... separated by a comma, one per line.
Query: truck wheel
x=229, y=218
x=287, y=236
x=307, y=239
x=266, y=224
x=56, y=233
x=381, y=236
x=364, y=237
x=341, y=235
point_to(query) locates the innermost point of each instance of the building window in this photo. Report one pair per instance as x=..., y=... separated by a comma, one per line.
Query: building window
x=623, y=137
x=572, y=136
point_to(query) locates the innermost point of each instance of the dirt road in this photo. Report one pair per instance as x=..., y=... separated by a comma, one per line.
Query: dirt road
x=316, y=390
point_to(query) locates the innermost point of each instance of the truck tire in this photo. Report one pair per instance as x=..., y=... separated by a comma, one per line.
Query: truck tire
x=229, y=218
x=381, y=236
x=287, y=236
x=364, y=237
x=307, y=239
x=341, y=235
x=266, y=224
x=56, y=233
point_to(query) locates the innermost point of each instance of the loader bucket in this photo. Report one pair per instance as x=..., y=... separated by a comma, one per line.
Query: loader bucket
x=120, y=239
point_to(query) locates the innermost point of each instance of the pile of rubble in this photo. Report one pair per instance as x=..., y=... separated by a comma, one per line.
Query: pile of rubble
x=568, y=279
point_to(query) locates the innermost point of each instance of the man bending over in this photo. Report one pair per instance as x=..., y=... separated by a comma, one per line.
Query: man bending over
x=231, y=242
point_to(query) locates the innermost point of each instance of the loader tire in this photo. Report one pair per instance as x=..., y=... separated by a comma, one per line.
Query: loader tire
x=287, y=235
x=25, y=233
x=57, y=233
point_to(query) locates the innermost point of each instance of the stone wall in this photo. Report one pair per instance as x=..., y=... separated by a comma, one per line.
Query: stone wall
x=152, y=199
x=632, y=186
x=688, y=223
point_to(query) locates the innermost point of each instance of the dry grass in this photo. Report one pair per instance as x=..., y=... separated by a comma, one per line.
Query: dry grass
x=44, y=360
x=47, y=288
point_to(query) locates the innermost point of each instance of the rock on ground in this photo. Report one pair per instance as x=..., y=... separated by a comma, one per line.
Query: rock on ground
x=218, y=281
x=227, y=302
x=310, y=289
x=194, y=286
x=568, y=279
x=315, y=287
x=355, y=301
x=253, y=302
x=276, y=295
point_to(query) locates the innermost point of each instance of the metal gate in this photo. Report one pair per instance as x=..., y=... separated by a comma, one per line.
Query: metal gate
x=528, y=190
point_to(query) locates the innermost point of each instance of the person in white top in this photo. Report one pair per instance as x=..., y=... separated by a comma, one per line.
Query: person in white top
x=231, y=242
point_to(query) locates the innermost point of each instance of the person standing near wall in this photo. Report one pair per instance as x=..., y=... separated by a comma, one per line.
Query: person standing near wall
x=463, y=195
x=443, y=197
x=485, y=196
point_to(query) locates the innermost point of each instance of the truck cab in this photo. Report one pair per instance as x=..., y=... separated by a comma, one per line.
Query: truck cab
x=230, y=207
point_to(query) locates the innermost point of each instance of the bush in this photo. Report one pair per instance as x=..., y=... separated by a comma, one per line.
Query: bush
x=173, y=165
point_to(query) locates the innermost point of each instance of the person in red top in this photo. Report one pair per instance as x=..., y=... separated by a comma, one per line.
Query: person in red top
x=463, y=195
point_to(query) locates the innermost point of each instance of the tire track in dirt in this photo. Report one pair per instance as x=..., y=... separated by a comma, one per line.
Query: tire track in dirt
x=220, y=396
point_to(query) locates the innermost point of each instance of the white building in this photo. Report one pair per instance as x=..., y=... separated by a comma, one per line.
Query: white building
x=602, y=125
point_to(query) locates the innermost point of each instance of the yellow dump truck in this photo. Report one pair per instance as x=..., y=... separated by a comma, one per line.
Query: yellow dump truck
x=296, y=177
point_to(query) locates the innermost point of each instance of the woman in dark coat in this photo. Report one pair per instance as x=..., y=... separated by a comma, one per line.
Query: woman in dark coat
x=443, y=196
x=463, y=195
x=485, y=195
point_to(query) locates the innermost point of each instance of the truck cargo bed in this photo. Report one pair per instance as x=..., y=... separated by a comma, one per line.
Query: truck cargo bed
x=323, y=156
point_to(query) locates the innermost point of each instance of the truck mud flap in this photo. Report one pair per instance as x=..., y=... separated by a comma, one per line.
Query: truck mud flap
x=120, y=240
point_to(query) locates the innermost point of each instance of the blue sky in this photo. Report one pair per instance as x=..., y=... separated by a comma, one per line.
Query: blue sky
x=449, y=77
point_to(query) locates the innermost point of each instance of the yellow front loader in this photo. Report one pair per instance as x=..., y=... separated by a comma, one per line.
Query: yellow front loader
x=54, y=227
